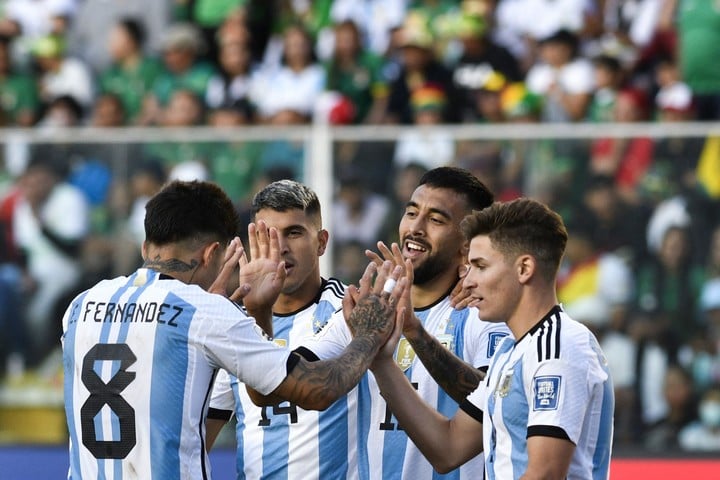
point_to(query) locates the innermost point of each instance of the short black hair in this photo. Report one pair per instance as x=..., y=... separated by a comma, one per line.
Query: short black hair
x=193, y=211
x=461, y=181
x=135, y=29
x=284, y=195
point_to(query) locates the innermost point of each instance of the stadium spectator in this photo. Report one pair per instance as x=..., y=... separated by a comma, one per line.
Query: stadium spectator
x=609, y=78
x=182, y=70
x=704, y=435
x=563, y=77
x=430, y=148
x=625, y=159
x=132, y=73
x=108, y=111
x=481, y=62
x=357, y=212
x=19, y=103
x=51, y=238
x=61, y=74
x=232, y=86
x=29, y=20
x=668, y=288
x=184, y=109
x=663, y=435
x=296, y=84
x=697, y=27
x=356, y=74
x=419, y=67
x=61, y=112
x=376, y=19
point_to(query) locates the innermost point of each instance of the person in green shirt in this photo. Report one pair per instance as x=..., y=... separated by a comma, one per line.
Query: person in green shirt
x=18, y=92
x=132, y=73
x=356, y=74
x=182, y=70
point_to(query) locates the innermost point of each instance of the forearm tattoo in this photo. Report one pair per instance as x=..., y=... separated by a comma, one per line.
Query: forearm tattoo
x=331, y=379
x=458, y=378
x=170, y=265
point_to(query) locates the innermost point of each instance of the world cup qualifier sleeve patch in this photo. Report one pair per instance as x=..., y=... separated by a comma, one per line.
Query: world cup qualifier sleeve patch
x=546, y=391
x=494, y=341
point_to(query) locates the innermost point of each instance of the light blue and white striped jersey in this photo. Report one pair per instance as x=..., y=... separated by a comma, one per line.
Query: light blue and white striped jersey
x=384, y=449
x=285, y=441
x=140, y=354
x=552, y=382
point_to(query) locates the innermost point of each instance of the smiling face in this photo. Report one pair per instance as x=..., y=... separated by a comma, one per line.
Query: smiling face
x=430, y=232
x=492, y=280
x=302, y=242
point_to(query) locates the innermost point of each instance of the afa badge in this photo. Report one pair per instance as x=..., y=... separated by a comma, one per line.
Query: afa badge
x=405, y=355
x=546, y=390
x=280, y=342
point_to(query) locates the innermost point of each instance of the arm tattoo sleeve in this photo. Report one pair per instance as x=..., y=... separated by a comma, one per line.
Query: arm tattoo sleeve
x=458, y=378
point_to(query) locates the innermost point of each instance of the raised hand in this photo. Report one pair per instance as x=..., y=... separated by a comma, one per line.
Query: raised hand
x=233, y=254
x=264, y=273
x=373, y=309
x=460, y=297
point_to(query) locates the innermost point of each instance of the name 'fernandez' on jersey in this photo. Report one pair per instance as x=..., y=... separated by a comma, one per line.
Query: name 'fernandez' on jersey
x=151, y=320
x=385, y=450
x=284, y=441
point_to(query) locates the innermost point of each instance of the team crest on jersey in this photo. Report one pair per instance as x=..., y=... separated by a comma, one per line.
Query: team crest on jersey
x=493, y=342
x=504, y=382
x=547, y=391
x=405, y=355
x=446, y=340
x=280, y=342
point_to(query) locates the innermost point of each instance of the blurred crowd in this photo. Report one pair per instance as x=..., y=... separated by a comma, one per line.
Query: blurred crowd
x=642, y=267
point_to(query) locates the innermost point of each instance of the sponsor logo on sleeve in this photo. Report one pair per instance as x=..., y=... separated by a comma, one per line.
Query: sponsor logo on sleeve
x=546, y=390
x=493, y=341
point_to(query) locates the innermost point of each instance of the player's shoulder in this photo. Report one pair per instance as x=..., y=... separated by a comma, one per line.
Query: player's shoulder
x=558, y=336
x=332, y=290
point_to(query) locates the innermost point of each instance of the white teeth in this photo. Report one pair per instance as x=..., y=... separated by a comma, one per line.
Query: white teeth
x=414, y=246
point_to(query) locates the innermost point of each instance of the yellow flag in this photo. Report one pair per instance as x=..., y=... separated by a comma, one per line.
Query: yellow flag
x=708, y=168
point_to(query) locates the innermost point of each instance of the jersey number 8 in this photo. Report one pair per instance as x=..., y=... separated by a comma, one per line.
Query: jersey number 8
x=102, y=394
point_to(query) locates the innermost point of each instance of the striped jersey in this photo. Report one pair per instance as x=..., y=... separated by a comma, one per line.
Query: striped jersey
x=284, y=441
x=140, y=355
x=384, y=449
x=552, y=382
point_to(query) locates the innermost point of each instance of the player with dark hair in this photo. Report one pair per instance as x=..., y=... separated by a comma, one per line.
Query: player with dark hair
x=440, y=341
x=283, y=440
x=140, y=353
x=545, y=409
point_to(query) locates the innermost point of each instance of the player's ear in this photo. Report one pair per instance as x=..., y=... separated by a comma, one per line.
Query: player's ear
x=525, y=265
x=208, y=252
x=323, y=237
x=143, y=250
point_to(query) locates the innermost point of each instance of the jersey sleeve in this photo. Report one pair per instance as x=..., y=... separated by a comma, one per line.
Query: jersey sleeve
x=473, y=405
x=558, y=395
x=222, y=397
x=331, y=340
x=482, y=339
x=233, y=341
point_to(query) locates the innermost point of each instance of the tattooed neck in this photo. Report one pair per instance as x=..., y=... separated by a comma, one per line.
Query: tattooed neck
x=170, y=265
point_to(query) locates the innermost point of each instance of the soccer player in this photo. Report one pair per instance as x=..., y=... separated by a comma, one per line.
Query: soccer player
x=545, y=409
x=140, y=352
x=283, y=440
x=437, y=336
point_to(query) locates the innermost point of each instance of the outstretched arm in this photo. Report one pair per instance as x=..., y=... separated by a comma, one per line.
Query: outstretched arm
x=446, y=443
x=316, y=385
x=455, y=376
